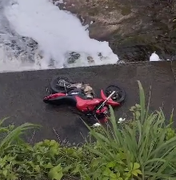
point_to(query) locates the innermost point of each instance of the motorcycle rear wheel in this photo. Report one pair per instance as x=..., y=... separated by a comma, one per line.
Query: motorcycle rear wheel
x=119, y=95
x=55, y=88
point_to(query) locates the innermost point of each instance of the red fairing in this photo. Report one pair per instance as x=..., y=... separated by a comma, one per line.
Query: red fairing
x=51, y=96
x=82, y=104
x=110, y=101
x=102, y=110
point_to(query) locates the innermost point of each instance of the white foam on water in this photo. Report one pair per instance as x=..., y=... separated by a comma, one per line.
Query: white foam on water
x=57, y=33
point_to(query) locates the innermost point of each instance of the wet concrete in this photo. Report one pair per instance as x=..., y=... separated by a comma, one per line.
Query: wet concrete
x=21, y=95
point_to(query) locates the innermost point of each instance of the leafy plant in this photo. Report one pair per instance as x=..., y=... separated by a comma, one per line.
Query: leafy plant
x=142, y=143
x=45, y=160
x=11, y=135
x=10, y=142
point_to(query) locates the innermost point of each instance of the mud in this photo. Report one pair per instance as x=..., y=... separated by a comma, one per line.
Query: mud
x=21, y=95
x=133, y=28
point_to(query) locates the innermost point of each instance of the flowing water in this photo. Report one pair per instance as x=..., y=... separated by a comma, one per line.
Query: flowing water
x=36, y=34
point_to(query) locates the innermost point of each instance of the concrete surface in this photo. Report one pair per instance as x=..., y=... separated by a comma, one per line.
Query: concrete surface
x=21, y=95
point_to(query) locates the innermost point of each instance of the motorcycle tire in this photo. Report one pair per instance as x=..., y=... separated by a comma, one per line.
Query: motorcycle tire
x=120, y=94
x=53, y=84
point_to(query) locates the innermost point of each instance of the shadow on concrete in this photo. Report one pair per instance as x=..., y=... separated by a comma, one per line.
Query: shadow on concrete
x=21, y=95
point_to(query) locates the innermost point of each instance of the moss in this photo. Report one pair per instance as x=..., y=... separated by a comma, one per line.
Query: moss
x=126, y=10
x=162, y=26
x=93, y=11
x=173, y=34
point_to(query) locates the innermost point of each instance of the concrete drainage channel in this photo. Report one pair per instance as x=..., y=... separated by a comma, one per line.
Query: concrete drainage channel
x=21, y=95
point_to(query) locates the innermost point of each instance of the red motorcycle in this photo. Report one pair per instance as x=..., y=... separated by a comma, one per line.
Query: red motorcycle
x=82, y=96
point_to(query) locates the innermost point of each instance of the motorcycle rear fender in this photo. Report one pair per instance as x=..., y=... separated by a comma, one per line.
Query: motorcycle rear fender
x=110, y=101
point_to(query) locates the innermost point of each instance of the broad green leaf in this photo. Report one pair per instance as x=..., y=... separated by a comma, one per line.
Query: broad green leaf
x=56, y=173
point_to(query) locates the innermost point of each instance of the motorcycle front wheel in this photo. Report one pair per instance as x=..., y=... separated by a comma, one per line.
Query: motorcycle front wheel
x=54, y=84
x=119, y=95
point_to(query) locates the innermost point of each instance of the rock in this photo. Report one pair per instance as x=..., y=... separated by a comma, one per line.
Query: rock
x=134, y=29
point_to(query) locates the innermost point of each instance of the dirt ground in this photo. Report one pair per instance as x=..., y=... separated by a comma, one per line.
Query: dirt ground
x=133, y=28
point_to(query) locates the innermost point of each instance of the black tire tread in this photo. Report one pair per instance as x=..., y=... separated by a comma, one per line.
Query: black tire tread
x=121, y=89
x=53, y=87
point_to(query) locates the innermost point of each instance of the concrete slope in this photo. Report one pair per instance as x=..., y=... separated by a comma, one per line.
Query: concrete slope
x=21, y=94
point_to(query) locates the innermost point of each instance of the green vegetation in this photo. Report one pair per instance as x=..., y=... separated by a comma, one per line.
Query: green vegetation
x=142, y=148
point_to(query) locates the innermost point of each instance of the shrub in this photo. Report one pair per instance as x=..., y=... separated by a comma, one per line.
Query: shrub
x=44, y=160
x=10, y=142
